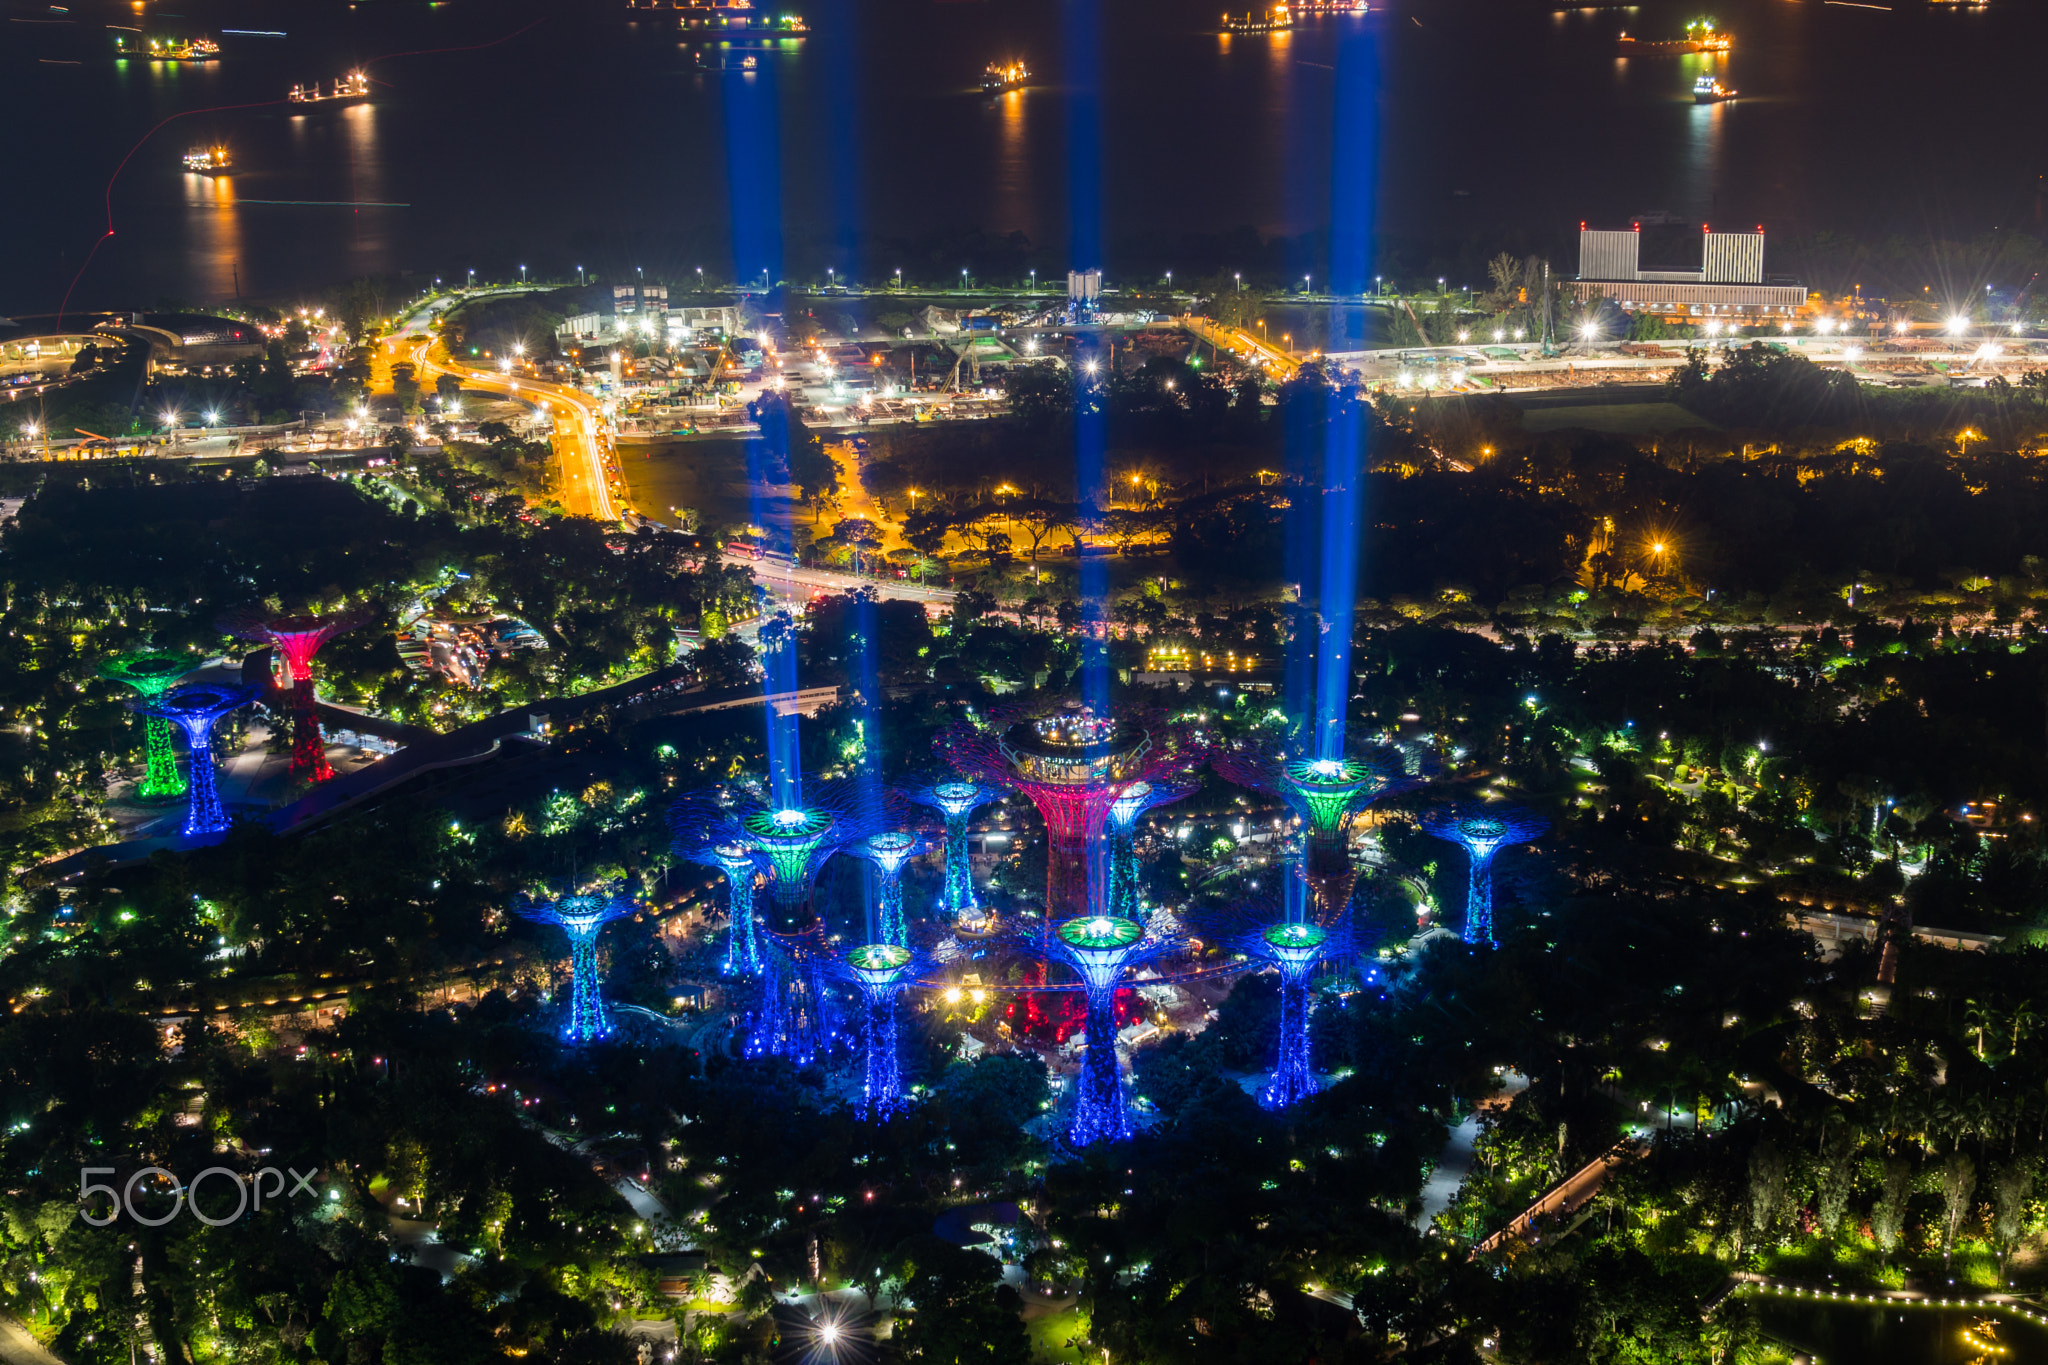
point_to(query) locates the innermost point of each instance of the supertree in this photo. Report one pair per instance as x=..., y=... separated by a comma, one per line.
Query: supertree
x=1100, y=949
x=1131, y=803
x=297, y=639
x=741, y=866
x=1072, y=764
x=581, y=917
x=195, y=708
x=1295, y=947
x=792, y=842
x=888, y=852
x=1482, y=832
x=882, y=971
x=1328, y=794
x=153, y=672
x=956, y=801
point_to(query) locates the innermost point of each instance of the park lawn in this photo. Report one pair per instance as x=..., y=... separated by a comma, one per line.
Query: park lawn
x=1049, y=1336
x=1625, y=419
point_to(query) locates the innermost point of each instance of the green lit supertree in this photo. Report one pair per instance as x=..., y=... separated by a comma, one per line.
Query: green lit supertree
x=153, y=672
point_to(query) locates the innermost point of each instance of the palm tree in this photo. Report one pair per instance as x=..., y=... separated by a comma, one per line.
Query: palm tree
x=1976, y=1019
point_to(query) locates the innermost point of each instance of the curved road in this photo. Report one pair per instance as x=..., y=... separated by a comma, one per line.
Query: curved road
x=582, y=445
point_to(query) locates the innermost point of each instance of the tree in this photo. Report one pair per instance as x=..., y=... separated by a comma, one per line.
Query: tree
x=447, y=387
x=725, y=662
x=949, y=1311
x=1888, y=1215
x=1039, y=394
x=1958, y=1183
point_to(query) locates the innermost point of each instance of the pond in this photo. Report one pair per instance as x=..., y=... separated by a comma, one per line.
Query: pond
x=1898, y=1334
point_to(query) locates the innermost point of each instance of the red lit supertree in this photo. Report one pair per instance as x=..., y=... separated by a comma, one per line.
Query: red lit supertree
x=1072, y=765
x=297, y=639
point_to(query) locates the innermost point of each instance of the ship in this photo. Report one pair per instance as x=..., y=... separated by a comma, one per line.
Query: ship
x=172, y=49
x=1274, y=20
x=1707, y=90
x=354, y=86
x=707, y=61
x=1700, y=36
x=740, y=18
x=997, y=77
x=214, y=160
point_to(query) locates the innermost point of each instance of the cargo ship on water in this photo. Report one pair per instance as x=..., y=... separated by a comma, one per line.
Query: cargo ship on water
x=1700, y=36
x=1288, y=14
x=215, y=160
x=354, y=86
x=1707, y=90
x=739, y=18
x=999, y=77
x=168, y=49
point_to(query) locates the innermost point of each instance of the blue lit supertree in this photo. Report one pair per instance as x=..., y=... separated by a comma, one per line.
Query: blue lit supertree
x=1124, y=812
x=956, y=801
x=1100, y=949
x=581, y=916
x=1482, y=831
x=888, y=852
x=882, y=971
x=1295, y=947
x=195, y=708
x=704, y=833
x=743, y=936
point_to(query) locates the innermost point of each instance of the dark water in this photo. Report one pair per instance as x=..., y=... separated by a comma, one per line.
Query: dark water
x=1839, y=1334
x=591, y=138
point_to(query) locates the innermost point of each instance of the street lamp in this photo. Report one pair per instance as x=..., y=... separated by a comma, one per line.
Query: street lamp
x=212, y=417
x=1169, y=281
x=472, y=277
x=579, y=275
x=522, y=274
x=963, y=277
x=1238, y=275
x=899, y=277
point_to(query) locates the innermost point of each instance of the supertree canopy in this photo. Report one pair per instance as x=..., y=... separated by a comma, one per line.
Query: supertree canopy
x=1295, y=947
x=297, y=639
x=888, y=852
x=1131, y=803
x=956, y=801
x=195, y=708
x=1101, y=949
x=153, y=672
x=1072, y=764
x=581, y=917
x=1328, y=794
x=1483, y=832
x=792, y=842
x=882, y=971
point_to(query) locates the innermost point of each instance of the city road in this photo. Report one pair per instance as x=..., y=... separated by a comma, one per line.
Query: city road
x=582, y=445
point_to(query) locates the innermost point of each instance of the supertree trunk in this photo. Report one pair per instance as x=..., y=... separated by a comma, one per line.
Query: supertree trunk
x=588, y=1019
x=743, y=941
x=1123, y=873
x=204, y=813
x=309, y=746
x=161, y=779
x=895, y=929
x=1293, y=1077
x=959, y=874
x=1479, y=901
x=883, y=1088
x=1100, y=1114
